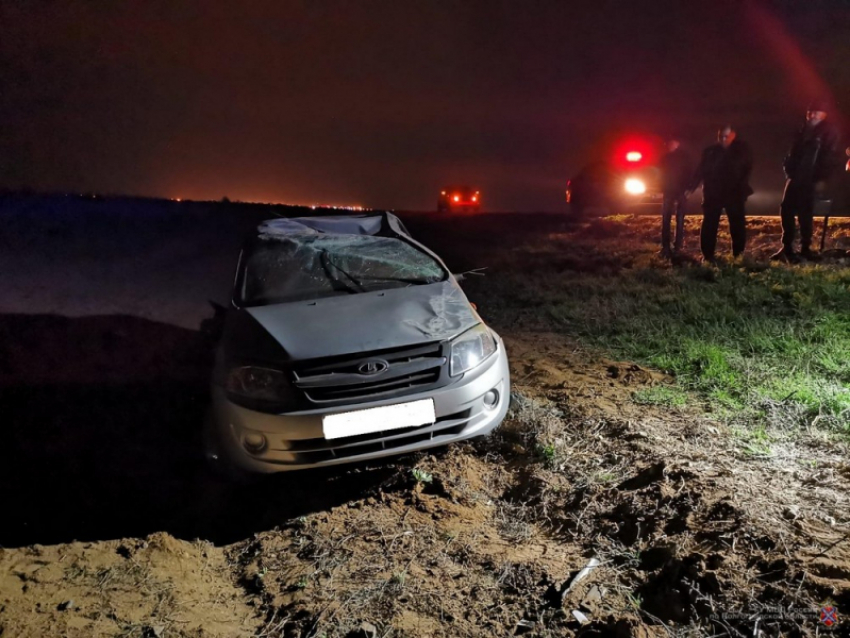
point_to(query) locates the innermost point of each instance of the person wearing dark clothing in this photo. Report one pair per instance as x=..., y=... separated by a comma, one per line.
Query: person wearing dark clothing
x=724, y=172
x=841, y=192
x=676, y=172
x=809, y=163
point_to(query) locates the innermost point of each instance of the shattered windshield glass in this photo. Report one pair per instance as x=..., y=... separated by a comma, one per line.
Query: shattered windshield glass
x=296, y=267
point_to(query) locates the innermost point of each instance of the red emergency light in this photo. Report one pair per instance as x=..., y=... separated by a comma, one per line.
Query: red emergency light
x=635, y=150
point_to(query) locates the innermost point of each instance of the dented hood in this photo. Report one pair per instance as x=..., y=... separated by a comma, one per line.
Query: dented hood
x=368, y=321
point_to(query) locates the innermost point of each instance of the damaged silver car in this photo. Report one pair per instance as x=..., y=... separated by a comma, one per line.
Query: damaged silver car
x=347, y=340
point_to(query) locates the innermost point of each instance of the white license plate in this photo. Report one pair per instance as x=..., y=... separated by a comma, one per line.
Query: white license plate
x=386, y=417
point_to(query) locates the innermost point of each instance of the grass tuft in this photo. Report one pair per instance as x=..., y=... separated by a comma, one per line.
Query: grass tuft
x=668, y=396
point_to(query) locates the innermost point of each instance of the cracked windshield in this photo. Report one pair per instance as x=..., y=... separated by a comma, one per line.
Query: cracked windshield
x=296, y=268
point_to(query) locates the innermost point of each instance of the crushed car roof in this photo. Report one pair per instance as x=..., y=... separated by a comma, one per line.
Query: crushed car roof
x=393, y=317
x=332, y=225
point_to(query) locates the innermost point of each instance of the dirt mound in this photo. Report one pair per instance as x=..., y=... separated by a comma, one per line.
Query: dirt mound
x=151, y=587
x=427, y=553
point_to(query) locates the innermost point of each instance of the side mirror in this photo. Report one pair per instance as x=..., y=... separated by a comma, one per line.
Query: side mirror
x=475, y=271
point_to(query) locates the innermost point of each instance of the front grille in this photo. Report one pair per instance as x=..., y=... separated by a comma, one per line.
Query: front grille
x=342, y=380
x=318, y=450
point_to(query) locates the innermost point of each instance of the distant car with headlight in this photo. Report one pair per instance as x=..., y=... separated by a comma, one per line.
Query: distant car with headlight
x=454, y=199
x=629, y=179
x=347, y=340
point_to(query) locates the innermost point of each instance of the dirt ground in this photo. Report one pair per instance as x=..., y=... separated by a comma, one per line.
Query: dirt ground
x=112, y=527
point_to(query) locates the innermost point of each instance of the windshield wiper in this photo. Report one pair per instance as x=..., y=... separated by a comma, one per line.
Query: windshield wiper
x=404, y=280
x=326, y=261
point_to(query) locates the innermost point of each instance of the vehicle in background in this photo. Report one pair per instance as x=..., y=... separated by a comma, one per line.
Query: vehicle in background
x=455, y=199
x=628, y=179
x=347, y=340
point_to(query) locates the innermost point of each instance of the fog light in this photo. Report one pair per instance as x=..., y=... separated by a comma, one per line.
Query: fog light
x=254, y=442
x=491, y=398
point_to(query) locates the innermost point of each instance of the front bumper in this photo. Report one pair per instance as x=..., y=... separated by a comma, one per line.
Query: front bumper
x=296, y=440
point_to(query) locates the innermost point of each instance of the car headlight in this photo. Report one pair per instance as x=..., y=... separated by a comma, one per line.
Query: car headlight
x=256, y=385
x=635, y=186
x=470, y=349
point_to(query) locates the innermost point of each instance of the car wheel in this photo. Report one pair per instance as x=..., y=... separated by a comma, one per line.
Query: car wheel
x=578, y=207
x=587, y=207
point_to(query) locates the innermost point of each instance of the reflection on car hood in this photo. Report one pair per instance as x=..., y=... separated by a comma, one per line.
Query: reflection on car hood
x=368, y=321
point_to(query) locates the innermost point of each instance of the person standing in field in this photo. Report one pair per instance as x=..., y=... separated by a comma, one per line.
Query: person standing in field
x=676, y=170
x=724, y=172
x=808, y=165
x=841, y=195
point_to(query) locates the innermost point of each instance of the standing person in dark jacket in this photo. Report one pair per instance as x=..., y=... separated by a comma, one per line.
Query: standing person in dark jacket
x=676, y=171
x=813, y=156
x=841, y=193
x=724, y=172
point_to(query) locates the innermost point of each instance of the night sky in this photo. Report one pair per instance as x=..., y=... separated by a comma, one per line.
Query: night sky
x=380, y=103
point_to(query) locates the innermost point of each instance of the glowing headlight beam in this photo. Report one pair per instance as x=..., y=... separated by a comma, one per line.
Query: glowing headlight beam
x=635, y=186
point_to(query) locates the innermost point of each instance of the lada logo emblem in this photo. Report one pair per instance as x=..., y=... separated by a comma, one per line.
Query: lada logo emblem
x=373, y=366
